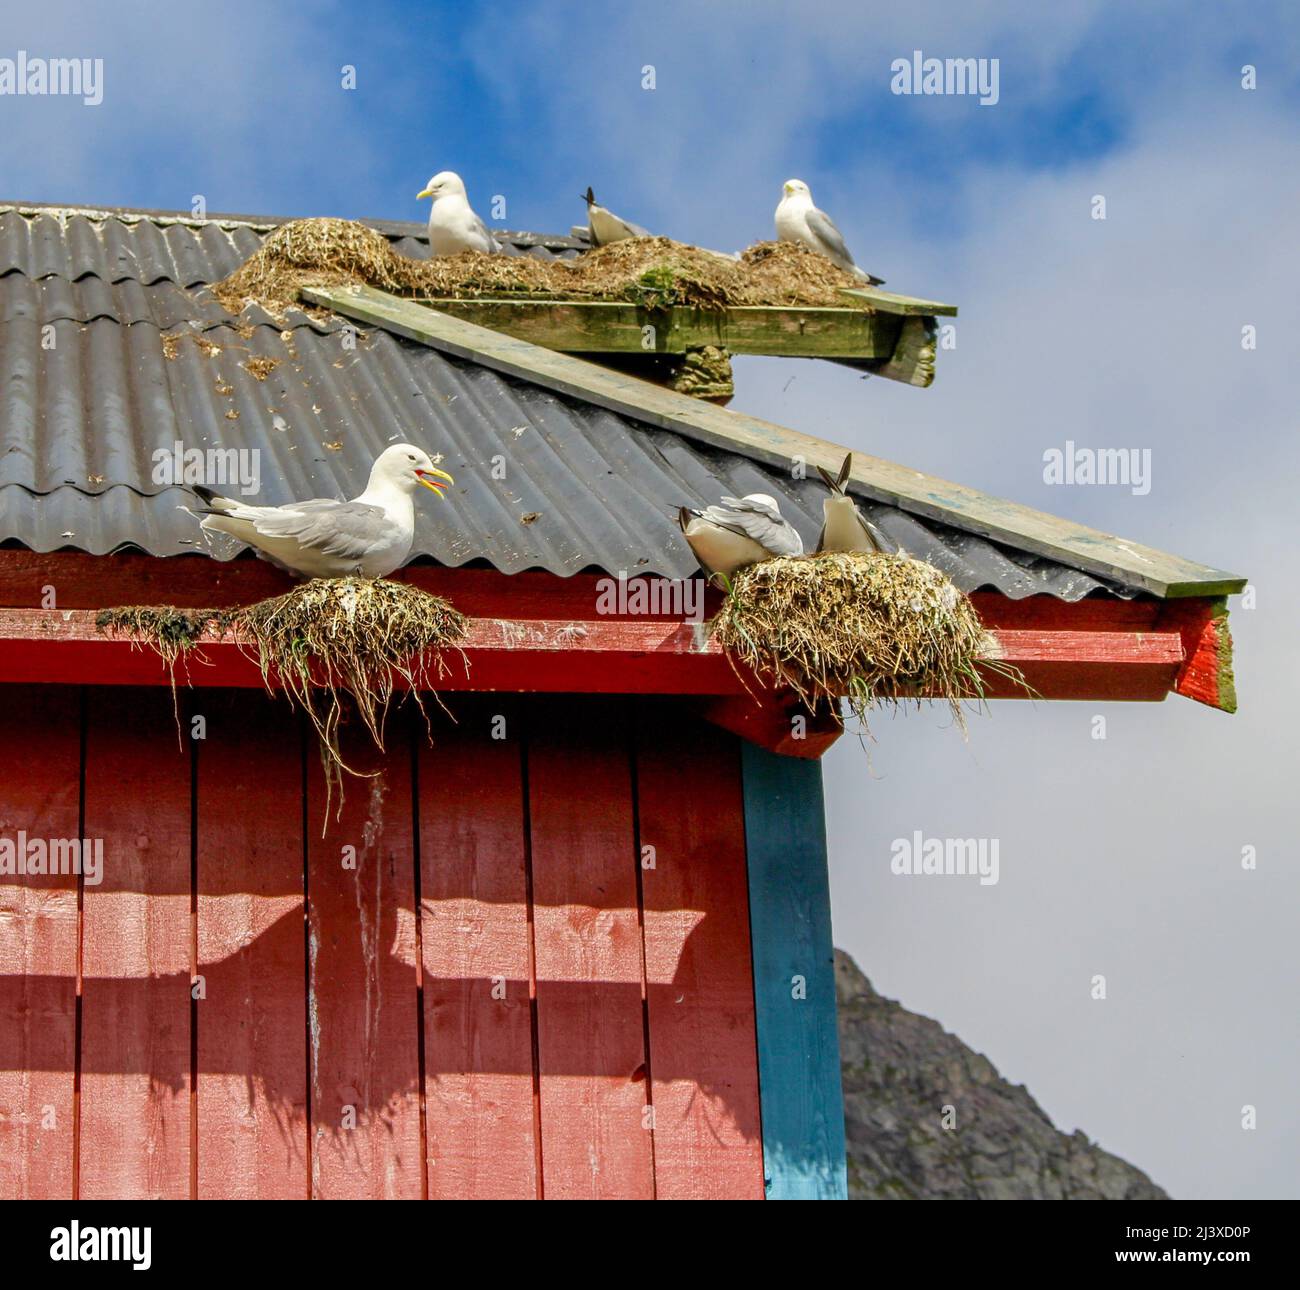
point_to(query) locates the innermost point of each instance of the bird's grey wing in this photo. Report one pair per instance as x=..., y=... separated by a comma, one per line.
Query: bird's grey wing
x=633, y=230
x=764, y=524
x=822, y=227
x=351, y=530
x=483, y=230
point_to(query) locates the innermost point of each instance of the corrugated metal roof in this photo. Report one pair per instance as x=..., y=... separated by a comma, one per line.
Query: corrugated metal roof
x=81, y=417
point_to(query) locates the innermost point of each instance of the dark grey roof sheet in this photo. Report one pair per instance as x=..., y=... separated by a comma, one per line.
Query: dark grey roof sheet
x=81, y=417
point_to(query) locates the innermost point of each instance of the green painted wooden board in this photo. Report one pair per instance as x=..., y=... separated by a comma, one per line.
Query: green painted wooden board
x=794, y=978
x=610, y=327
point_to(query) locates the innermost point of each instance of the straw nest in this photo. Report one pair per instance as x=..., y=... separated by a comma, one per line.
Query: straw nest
x=654, y=272
x=872, y=629
x=320, y=641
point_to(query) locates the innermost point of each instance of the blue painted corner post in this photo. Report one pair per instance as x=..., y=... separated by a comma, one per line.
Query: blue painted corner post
x=794, y=978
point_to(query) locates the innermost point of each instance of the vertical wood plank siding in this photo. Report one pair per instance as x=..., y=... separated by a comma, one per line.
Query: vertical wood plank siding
x=40, y=733
x=500, y=997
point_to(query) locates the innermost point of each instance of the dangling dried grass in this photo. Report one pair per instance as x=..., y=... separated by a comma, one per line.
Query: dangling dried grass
x=654, y=272
x=322, y=640
x=871, y=629
x=172, y=633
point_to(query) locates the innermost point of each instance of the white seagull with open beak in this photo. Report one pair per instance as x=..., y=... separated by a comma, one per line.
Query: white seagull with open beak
x=739, y=532
x=798, y=220
x=453, y=226
x=370, y=535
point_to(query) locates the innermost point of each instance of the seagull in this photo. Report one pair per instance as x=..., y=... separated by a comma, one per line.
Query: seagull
x=606, y=227
x=453, y=226
x=739, y=532
x=844, y=528
x=798, y=220
x=370, y=535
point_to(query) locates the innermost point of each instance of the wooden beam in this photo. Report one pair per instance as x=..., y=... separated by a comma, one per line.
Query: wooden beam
x=597, y=656
x=613, y=327
x=967, y=509
x=794, y=978
x=908, y=306
x=912, y=362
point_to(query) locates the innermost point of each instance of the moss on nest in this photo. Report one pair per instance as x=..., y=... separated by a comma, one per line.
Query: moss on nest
x=872, y=629
x=172, y=632
x=169, y=630
x=654, y=272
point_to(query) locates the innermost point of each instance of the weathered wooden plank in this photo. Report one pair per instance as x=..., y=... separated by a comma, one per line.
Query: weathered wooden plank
x=137, y=952
x=40, y=729
x=794, y=984
x=252, y=1018
x=476, y=938
x=965, y=508
x=596, y=1132
x=596, y=656
x=912, y=361
x=361, y=972
x=699, y=981
x=598, y=327
x=909, y=306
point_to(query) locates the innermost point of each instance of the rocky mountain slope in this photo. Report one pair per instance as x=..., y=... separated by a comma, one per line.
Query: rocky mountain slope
x=900, y=1072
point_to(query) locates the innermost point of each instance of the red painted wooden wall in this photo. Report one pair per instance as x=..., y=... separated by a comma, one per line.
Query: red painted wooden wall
x=518, y=965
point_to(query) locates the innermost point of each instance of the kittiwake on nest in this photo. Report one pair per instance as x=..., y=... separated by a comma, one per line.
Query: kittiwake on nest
x=873, y=629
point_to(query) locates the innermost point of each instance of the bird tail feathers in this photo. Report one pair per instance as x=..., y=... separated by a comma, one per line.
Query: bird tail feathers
x=213, y=503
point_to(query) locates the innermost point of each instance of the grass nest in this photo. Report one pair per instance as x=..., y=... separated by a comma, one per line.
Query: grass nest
x=322, y=640
x=654, y=272
x=872, y=629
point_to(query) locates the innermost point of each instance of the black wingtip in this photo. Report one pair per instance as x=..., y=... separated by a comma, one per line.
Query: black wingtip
x=845, y=467
x=203, y=494
x=589, y=197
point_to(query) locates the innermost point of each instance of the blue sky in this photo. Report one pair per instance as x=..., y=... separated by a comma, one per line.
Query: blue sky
x=1117, y=857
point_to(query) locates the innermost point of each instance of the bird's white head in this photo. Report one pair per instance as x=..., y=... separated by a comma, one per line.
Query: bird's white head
x=796, y=188
x=406, y=468
x=446, y=183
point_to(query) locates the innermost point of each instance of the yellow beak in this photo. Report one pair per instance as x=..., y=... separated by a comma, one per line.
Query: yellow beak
x=428, y=192
x=422, y=476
